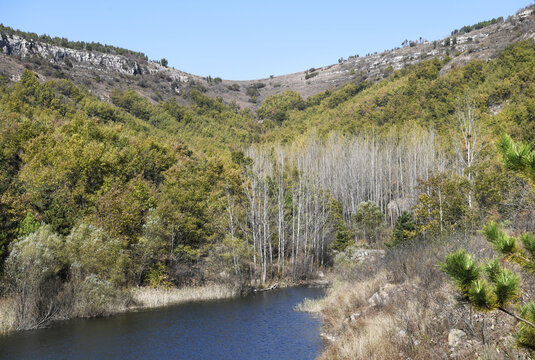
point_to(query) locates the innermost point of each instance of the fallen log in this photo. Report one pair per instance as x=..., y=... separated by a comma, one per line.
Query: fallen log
x=272, y=287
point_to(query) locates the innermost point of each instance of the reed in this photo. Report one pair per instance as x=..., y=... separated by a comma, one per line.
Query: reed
x=7, y=316
x=155, y=297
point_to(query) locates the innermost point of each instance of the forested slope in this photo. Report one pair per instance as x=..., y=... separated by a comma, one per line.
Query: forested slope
x=167, y=194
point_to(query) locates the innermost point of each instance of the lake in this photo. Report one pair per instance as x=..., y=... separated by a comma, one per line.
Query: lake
x=258, y=326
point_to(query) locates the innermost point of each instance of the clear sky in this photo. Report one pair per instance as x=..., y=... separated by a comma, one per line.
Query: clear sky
x=250, y=39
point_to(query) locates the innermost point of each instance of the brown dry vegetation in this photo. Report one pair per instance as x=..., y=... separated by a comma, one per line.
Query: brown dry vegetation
x=403, y=307
x=7, y=316
x=156, y=297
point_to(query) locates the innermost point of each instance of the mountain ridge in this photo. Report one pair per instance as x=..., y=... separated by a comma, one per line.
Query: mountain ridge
x=101, y=72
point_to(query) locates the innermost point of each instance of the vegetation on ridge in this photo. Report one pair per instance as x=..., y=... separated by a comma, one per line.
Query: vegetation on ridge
x=77, y=45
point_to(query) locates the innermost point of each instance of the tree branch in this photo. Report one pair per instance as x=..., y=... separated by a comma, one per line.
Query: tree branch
x=517, y=317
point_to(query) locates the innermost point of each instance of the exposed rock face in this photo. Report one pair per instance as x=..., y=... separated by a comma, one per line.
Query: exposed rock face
x=103, y=72
x=91, y=68
x=17, y=46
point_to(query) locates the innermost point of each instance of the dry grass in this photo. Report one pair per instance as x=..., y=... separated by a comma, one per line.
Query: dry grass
x=7, y=316
x=417, y=309
x=311, y=305
x=367, y=342
x=156, y=297
x=343, y=298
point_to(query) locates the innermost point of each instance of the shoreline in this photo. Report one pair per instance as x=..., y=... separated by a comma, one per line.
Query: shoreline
x=146, y=298
x=142, y=298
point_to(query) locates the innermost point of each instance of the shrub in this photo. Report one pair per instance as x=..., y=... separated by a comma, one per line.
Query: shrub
x=28, y=226
x=158, y=276
x=94, y=297
x=91, y=251
x=233, y=87
x=31, y=272
x=252, y=92
x=309, y=75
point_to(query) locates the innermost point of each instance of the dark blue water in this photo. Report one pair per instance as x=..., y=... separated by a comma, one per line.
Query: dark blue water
x=260, y=326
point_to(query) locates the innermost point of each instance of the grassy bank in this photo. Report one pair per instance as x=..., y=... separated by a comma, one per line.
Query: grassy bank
x=401, y=306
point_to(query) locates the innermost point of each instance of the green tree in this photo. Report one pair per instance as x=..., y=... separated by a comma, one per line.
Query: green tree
x=122, y=209
x=342, y=234
x=369, y=221
x=404, y=229
x=148, y=248
x=519, y=157
x=164, y=62
x=443, y=205
x=28, y=226
x=276, y=107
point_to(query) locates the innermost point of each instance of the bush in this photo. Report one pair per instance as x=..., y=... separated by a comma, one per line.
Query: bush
x=94, y=297
x=344, y=265
x=91, y=251
x=32, y=273
x=51, y=278
x=233, y=87
x=252, y=92
x=310, y=75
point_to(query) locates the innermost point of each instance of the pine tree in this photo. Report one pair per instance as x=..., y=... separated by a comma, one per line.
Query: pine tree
x=491, y=286
x=404, y=229
x=342, y=236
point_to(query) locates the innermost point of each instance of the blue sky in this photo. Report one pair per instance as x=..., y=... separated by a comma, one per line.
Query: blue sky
x=250, y=39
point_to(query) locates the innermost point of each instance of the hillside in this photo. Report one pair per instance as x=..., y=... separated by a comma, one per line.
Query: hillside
x=101, y=72
x=373, y=171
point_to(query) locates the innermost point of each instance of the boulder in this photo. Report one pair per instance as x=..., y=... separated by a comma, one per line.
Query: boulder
x=455, y=337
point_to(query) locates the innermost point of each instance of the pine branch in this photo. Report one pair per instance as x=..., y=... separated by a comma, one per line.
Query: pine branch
x=516, y=317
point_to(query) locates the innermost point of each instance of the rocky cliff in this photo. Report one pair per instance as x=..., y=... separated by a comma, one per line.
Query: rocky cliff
x=101, y=72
